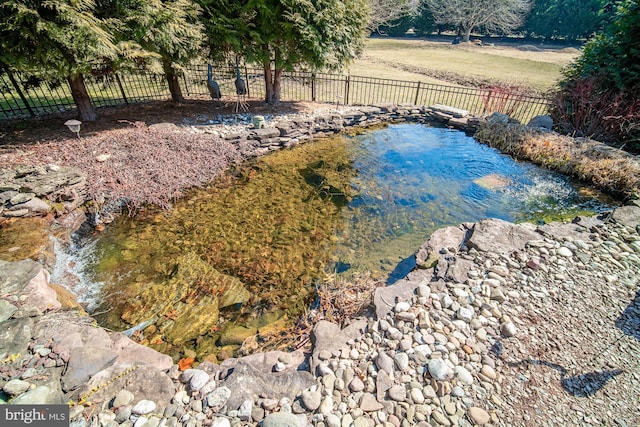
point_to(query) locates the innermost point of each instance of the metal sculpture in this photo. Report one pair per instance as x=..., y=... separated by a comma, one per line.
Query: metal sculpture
x=214, y=90
x=241, y=90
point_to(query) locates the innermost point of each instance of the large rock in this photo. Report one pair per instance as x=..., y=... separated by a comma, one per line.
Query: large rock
x=15, y=335
x=502, y=237
x=27, y=279
x=144, y=382
x=246, y=382
x=448, y=238
x=629, y=216
x=130, y=352
x=452, y=111
x=541, y=122
x=58, y=184
x=84, y=363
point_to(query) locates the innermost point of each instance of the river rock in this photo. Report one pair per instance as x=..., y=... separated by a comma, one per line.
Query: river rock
x=123, y=398
x=218, y=397
x=439, y=370
x=41, y=395
x=508, y=329
x=311, y=399
x=143, y=407
x=479, y=415
x=629, y=216
x=16, y=387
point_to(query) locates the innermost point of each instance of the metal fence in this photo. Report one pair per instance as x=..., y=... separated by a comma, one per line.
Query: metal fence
x=23, y=97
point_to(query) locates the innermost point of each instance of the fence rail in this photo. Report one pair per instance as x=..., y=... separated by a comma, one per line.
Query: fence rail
x=23, y=97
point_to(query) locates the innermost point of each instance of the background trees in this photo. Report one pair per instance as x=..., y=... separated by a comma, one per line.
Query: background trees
x=501, y=15
x=568, y=19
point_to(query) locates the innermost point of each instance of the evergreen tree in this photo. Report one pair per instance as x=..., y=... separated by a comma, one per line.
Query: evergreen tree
x=170, y=30
x=56, y=39
x=284, y=34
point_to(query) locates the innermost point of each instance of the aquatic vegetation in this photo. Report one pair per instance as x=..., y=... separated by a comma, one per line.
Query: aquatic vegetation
x=234, y=265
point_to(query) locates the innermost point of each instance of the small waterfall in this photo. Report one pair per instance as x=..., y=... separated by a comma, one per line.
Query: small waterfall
x=70, y=271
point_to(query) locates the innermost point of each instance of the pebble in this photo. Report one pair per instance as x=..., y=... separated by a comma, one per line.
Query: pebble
x=463, y=375
x=508, y=329
x=311, y=399
x=218, y=397
x=123, y=398
x=565, y=252
x=479, y=415
x=144, y=407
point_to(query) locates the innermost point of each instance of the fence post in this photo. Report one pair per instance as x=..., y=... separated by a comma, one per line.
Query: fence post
x=346, y=89
x=186, y=85
x=417, y=93
x=20, y=94
x=313, y=87
x=246, y=79
x=124, y=96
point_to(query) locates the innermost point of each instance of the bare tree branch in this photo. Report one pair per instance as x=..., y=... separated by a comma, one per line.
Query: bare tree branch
x=503, y=15
x=385, y=12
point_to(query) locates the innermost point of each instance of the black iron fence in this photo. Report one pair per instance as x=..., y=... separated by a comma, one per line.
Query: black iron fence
x=23, y=97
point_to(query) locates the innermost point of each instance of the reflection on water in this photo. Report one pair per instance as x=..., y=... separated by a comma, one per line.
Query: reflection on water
x=256, y=240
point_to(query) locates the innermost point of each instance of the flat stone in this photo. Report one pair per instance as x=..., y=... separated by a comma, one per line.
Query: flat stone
x=629, y=216
x=84, y=362
x=384, y=362
x=281, y=419
x=6, y=310
x=398, y=393
x=368, y=403
x=41, y=395
x=500, y=237
x=401, y=360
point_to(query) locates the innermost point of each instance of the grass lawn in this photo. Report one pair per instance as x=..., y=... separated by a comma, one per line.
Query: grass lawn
x=407, y=59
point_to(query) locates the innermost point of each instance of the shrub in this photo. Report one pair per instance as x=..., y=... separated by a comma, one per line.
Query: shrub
x=598, y=96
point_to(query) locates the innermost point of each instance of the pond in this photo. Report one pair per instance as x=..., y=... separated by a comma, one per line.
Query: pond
x=245, y=253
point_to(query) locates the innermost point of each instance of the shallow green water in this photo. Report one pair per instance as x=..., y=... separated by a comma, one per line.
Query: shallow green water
x=345, y=204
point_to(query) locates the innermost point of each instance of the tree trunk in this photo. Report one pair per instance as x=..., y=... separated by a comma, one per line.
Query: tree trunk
x=467, y=34
x=276, y=86
x=268, y=82
x=174, y=84
x=272, y=81
x=86, y=112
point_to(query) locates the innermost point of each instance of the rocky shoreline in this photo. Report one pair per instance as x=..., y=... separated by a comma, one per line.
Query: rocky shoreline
x=501, y=324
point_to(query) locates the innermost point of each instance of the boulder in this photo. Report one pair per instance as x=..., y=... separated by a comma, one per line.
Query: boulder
x=144, y=382
x=541, y=122
x=499, y=118
x=247, y=383
x=130, y=352
x=502, y=237
x=27, y=279
x=629, y=216
x=15, y=335
x=449, y=238
x=85, y=362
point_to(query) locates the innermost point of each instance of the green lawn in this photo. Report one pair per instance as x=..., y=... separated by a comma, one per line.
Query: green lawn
x=428, y=61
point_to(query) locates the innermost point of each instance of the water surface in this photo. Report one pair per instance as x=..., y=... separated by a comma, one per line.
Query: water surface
x=266, y=233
